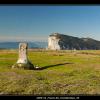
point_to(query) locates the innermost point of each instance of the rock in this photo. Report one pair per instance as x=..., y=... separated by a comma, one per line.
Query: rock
x=23, y=61
x=53, y=42
x=58, y=41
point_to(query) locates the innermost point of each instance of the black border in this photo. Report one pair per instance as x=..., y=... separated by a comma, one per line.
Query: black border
x=52, y=97
x=50, y=3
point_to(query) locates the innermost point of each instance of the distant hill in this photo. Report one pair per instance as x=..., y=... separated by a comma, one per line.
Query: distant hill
x=15, y=45
x=70, y=42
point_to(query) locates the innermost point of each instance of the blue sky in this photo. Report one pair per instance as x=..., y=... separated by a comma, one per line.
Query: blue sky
x=36, y=23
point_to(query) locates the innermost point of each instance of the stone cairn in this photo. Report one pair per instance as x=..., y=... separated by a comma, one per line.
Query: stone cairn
x=23, y=61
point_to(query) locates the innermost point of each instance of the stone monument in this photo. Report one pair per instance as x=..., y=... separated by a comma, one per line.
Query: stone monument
x=23, y=61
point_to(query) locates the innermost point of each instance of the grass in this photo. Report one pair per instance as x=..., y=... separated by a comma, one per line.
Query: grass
x=62, y=72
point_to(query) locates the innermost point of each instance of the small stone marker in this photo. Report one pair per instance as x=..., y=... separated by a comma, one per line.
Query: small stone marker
x=23, y=61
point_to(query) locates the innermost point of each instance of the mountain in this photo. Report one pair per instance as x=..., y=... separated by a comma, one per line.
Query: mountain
x=65, y=42
x=15, y=45
x=70, y=42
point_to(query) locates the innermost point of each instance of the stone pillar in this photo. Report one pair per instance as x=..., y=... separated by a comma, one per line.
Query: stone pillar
x=23, y=61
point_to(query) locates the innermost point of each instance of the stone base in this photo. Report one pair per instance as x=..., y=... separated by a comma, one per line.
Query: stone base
x=23, y=66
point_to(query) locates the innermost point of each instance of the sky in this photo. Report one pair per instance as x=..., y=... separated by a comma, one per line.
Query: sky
x=37, y=22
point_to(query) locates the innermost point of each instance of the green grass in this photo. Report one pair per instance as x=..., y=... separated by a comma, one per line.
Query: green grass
x=63, y=72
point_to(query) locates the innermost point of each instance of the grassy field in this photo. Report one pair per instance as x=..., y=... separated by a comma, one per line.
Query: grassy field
x=62, y=72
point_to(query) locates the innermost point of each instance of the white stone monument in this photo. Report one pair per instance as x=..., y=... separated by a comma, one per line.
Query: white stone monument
x=23, y=61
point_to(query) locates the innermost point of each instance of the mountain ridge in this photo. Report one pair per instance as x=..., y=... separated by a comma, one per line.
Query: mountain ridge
x=15, y=45
x=71, y=42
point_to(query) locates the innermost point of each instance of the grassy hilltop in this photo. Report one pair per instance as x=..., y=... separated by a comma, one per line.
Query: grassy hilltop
x=61, y=72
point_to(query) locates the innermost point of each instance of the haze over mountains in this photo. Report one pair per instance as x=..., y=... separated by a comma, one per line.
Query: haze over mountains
x=14, y=45
x=66, y=42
